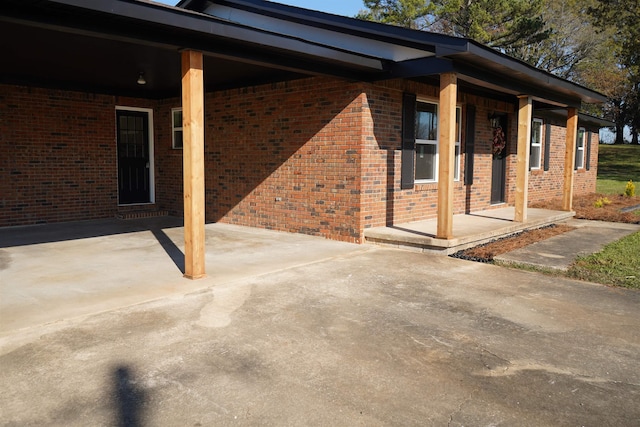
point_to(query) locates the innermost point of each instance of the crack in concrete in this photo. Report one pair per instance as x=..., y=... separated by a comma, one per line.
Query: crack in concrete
x=458, y=410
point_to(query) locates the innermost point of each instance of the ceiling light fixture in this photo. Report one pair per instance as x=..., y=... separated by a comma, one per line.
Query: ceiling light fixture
x=141, y=79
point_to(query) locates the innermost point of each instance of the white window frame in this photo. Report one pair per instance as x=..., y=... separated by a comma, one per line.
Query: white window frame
x=580, y=141
x=175, y=129
x=535, y=163
x=436, y=142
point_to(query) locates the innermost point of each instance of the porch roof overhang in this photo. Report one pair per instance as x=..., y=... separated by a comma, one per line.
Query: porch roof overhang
x=475, y=64
x=103, y=46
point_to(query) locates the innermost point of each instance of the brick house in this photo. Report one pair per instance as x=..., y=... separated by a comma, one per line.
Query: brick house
x=265, y=115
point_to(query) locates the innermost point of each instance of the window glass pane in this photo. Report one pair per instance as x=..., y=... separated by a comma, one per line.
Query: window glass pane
x=580, y=138
x=426, y=161
x=536, y=132
x=177, y=118
x=535, y=157
x=535, y=147
x=177, y=139
x=456, y=166
x=427, y=121
x=579, y=158
x=458, y=124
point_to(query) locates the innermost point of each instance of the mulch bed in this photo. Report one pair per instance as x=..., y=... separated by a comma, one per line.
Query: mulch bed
x=584, y=208
x=487, y=251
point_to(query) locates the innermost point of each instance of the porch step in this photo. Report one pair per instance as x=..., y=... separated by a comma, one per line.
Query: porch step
x=468, y=229
x=142, y=214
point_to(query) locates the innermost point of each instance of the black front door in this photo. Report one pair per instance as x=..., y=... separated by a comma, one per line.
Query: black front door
x=133, y=157
x=499, y=163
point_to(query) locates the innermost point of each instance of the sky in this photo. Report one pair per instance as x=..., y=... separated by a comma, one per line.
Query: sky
x=338, y=7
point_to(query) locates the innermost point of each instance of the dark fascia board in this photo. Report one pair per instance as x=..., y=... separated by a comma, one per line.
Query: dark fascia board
x=459, y=49
x=197, y=29
x=583, y=118
x=588, y=118
x=587, y=95
x=479, y=77
x=514, y=86
x=420, y=67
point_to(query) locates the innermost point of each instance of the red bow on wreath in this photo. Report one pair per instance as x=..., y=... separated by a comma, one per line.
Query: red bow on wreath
x=498, y=140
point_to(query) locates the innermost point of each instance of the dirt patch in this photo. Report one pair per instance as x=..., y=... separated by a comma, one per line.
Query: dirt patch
x=487, y=251
x=584, y=206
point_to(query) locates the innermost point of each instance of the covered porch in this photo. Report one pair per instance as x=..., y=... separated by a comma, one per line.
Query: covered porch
x=469, y=229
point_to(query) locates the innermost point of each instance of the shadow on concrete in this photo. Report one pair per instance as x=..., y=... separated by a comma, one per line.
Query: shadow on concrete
x=128, y=398
x=76, y=230
x=170, y=248
x=476, y=214
x=408, y=230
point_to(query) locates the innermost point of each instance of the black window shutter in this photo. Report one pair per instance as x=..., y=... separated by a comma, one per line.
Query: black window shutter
x=469, y=144
x=408, y=140
x=588, y=161
x=547, y=145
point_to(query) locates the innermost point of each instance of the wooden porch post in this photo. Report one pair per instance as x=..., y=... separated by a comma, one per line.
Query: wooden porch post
x=193, y=163
x=569, y=158
x=525, y=113
x=447, y=137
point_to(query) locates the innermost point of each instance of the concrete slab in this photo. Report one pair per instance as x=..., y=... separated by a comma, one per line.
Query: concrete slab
x=559, y=252
x=374, y=337
x=468, y=229
x=61, y=271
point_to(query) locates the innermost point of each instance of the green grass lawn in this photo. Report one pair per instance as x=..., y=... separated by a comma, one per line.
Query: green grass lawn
x=617, y=164
x=617, y=264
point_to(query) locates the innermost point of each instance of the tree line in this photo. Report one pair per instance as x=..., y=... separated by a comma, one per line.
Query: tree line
x=594, y=43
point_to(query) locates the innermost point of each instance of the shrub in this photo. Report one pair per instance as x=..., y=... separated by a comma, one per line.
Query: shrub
x=601, y=202
x=630, y=189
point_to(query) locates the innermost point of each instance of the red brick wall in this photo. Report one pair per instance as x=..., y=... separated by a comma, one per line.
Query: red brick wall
x=584, y=181
x=384, y=202
x=547, y=185
x=168, y=162
x=58, y=156
x=59, y=160
x=284, y=156
x=316, y=156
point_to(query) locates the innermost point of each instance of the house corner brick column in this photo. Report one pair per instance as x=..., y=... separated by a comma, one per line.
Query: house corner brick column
x=447, y=136
x=193, y=163
x=569, y=158
x=525, y=113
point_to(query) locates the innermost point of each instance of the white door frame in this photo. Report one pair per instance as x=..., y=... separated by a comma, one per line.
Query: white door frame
x=152, y=181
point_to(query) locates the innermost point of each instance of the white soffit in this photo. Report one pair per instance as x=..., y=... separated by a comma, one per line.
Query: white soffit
x=355, y=44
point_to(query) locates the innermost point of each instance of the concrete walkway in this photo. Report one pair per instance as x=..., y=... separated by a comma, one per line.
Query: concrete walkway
x=102, y=329
x=559, y=252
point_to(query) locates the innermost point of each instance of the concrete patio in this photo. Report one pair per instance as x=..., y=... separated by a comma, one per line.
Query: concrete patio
x=60, y=271
x=54, y=272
